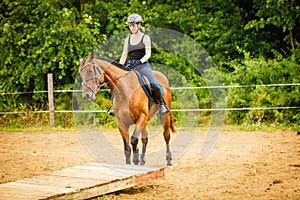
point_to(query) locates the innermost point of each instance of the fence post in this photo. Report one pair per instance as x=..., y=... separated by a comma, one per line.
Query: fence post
x=50, y=99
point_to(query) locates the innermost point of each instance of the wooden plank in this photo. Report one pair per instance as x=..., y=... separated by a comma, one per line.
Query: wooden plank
x=79, y=182
x=78, y=173
x=115, y=169
x=15, y=190
x=148, y=177
x=113, y=186
x=123, y=167
x=67, y=182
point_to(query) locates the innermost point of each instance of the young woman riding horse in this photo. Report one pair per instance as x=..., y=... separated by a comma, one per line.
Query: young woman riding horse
x=131, y=103
x=138, y=46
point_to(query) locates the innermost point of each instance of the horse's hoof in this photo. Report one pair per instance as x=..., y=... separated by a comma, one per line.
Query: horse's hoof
x=136, y=162
x=128, y=162
x=142, y=163
x=170, y=167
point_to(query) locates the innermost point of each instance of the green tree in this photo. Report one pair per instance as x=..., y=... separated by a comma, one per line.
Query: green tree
x=43, y=37
x=281, y=20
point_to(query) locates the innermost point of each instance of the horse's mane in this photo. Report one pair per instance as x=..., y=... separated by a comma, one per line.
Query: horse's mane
x=113, y=62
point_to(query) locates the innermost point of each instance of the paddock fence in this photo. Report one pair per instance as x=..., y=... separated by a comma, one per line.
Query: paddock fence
x=52, y=110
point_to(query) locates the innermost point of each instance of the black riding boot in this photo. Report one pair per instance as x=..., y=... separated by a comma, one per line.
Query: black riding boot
x=159, y=99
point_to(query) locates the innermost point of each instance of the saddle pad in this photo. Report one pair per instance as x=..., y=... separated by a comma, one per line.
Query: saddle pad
x=145, y=83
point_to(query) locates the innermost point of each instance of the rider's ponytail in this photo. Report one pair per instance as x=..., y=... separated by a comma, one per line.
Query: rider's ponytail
x=142, y=29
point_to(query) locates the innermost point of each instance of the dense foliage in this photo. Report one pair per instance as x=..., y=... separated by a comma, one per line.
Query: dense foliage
x=252, y=43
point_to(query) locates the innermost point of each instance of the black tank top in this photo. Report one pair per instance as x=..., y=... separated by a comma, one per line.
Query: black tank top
x=136, y=52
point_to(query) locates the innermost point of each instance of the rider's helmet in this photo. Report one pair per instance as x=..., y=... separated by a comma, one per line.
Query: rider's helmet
x=134, y=19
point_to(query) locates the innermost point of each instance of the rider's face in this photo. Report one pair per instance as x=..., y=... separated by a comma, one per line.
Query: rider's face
x=133, y=28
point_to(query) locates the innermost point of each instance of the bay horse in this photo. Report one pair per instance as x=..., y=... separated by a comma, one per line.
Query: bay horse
x=130, y=103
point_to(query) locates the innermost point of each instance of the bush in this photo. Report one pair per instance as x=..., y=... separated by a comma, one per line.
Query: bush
x=255, y=74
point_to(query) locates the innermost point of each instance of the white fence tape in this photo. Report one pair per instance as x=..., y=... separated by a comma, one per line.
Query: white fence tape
x=173, y=110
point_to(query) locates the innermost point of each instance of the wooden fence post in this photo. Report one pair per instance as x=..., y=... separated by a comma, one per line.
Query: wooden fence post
x=50, y=99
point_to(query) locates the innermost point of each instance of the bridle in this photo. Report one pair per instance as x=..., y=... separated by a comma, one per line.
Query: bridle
x=97, y=70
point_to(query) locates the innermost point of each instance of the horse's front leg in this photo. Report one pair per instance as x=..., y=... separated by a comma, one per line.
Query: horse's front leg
x=127, y=149
x=145, y=142
x=134, y=142
x=140, y=125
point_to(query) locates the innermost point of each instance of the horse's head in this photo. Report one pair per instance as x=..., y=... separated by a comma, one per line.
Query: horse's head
x=92, y=77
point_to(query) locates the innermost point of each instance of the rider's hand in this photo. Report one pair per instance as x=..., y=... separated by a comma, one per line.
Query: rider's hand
x=127, y=67
x=138, y=63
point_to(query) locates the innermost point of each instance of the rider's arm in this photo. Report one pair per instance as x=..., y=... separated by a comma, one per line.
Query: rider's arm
x=147, y=43
x=124, y=53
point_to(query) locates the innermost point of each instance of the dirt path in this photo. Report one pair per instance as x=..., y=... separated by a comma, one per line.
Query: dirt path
x=243, y=165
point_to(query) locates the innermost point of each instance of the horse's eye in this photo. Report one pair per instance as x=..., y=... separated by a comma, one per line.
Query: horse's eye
x=90, y=71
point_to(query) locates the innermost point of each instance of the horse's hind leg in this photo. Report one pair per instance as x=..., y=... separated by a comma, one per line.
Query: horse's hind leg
x=167, y=137
x=145, y=142
x=168, y=152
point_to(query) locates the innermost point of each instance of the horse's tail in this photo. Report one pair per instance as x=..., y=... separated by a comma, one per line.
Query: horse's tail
x=172, y=127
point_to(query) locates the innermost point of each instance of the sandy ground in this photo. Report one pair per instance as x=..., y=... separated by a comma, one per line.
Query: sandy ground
x=243, y=165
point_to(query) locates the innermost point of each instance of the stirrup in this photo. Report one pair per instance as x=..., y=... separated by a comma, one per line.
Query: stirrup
x=163, y=109
x=111, y=113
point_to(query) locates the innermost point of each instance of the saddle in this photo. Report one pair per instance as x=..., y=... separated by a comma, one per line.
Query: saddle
x=145, y=83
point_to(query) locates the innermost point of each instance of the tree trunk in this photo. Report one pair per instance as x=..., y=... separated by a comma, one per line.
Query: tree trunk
x=81, y=9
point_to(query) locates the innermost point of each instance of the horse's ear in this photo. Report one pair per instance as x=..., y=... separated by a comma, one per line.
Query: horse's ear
x=81, y=62
x=91, y=55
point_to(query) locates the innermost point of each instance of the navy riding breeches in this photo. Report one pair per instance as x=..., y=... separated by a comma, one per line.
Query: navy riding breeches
x=146, y=70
